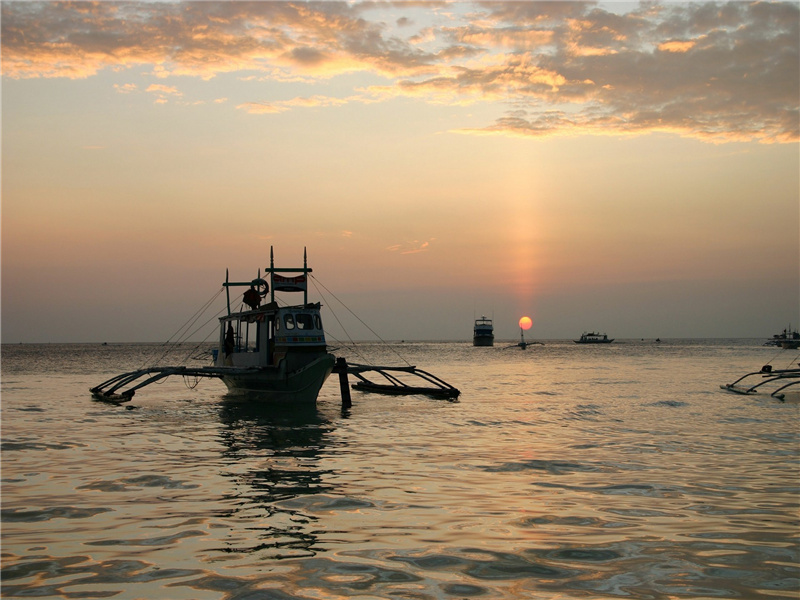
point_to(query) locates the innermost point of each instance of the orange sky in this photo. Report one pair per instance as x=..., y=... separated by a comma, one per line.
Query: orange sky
x=628, y=168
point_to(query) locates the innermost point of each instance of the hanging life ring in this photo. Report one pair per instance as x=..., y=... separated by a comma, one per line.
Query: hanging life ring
x=261, y=286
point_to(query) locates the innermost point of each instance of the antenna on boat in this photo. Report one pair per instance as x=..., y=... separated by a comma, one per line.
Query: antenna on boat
x=227, y=292
x=271, y=274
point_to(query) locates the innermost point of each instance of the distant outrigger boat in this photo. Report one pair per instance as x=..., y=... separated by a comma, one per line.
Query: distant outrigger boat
x=593, y=338
x=276, y=353
x=788, y=339
x=483, y=333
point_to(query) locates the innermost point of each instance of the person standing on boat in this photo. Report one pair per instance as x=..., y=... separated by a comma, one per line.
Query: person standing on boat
x=230, y=342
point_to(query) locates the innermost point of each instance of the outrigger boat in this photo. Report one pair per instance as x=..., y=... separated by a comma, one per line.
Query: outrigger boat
x=788, y=339
x=275, y=353
x=775, y=383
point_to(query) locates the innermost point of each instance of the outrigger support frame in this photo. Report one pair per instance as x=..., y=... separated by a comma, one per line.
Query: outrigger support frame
x=112, y=389
x=396, y=386
x=109, y=390
x=768, y=376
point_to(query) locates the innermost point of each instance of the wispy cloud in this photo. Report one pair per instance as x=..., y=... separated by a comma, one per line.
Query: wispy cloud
x=411, y=247
x=126, y=88
x=717, y=72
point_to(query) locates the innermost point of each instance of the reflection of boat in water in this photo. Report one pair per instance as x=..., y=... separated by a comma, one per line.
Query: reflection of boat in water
x=483, y=333
x=593, y=338
x=775, y=383
x=275, y=353
x=283, y=446
x=788, y=338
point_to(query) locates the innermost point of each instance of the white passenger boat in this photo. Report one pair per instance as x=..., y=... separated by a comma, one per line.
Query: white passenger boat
x=593, y=338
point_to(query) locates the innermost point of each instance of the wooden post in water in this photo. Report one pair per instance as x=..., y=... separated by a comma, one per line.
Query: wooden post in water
x=344, y=384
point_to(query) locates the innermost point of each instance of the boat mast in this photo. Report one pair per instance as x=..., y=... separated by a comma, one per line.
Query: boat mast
x=305, y=271
x=271, y=271
x=228, y=292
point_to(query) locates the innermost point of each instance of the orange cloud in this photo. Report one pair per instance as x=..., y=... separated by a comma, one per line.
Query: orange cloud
x=676, y=46
x=411, y=247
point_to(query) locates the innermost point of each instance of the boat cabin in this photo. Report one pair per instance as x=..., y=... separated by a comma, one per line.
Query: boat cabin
x=264, y=335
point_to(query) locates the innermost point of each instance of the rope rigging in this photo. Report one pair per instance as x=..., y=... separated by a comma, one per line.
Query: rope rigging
x=184, y=333
x=315, y=281
x=791, y=360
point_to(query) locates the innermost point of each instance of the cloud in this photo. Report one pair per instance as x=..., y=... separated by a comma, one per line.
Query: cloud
x=126, y=88
x=677, y=45
x=163, y=92
x=713, y=71
x=167, y=90
x=411, y=247
x=261, y=108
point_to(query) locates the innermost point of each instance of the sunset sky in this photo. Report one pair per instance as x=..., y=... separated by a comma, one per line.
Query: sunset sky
x=623, y=167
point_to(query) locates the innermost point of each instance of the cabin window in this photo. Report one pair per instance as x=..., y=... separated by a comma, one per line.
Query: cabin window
x=288, y=320
x=318, y=322
x=305, y=321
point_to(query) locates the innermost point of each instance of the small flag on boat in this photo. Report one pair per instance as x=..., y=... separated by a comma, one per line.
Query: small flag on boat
x=289, y=284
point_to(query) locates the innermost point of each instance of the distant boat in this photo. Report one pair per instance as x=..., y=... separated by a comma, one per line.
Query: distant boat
x=788, y=339
x=593, y=338
x=483, y=334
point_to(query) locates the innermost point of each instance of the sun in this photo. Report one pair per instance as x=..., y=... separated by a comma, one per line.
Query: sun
x=525, y=323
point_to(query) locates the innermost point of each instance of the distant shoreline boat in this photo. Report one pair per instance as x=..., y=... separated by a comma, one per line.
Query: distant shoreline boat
x=788, y=339
x=593, y=338
x=483, y=333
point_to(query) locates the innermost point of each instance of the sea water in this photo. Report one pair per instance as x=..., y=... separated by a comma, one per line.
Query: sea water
x=564, y=471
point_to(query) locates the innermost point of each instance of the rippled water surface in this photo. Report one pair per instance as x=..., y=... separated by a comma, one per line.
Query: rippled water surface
x=564, y=471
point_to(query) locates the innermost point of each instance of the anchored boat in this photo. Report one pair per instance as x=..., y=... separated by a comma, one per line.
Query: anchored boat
x=276, y=353
x=789, y=339
x=483, y=333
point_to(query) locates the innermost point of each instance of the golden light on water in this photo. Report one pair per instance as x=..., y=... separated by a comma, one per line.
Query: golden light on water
x=525, y=323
